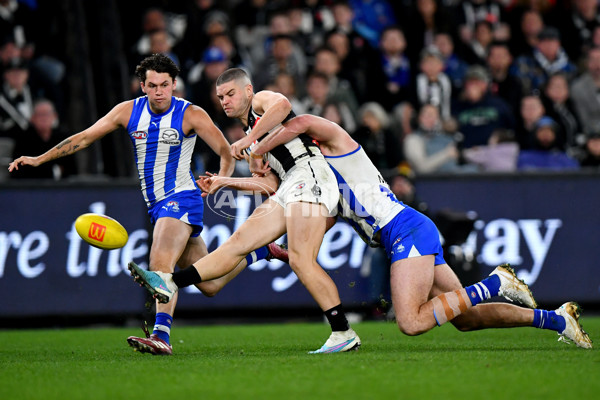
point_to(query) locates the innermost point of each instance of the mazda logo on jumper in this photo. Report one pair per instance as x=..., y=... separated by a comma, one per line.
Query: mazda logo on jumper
x=170, y=136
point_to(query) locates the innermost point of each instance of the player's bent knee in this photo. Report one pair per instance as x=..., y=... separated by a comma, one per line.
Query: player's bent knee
x=409, y=328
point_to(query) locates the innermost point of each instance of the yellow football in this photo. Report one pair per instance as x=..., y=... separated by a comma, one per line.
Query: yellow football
x=101, y=231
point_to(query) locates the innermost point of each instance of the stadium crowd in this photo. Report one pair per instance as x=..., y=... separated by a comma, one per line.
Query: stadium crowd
x=425, y=86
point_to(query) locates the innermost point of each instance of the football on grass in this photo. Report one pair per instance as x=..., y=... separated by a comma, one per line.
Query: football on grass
x=101, y=231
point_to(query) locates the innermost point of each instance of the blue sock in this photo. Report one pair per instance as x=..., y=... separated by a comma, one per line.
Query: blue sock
x=483, y=290
x=162, y=326
x=257, y=255
x=548, y=320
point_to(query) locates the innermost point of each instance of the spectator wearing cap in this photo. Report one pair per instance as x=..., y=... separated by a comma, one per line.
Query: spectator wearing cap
x=547, y=58
x=478, y=112
x=201, y=81
x=16, y=98
x=432, y=85
x=389, y=75
x=585, y=92
x=546, y=154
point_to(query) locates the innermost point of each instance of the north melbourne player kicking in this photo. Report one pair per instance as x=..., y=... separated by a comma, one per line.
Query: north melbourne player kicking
x=163, y=130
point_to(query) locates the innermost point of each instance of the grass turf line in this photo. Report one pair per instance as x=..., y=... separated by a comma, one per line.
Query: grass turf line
x=271, y=362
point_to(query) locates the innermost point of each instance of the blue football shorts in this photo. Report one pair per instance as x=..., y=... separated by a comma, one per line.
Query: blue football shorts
x=411, y=234
x=186, y=206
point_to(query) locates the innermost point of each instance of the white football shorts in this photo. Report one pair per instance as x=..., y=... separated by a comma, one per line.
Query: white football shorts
x=311, y=181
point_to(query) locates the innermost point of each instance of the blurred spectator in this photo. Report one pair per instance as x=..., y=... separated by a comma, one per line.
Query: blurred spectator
x=310, y=20
x=477, y=49
x=317, y=97
x=454, y=66
x=478, y=112
x=18, y=22
x=558, y=105
x=590, y=157
x=576, y=23
x=379, y=142
x=16, y=99
x=389, y=75
x=340, y=90
x=506, y=86
x=153, y=20
x=584, y=92
x=472, y=12
x=428, y=148
x=238, y=57
x=205, y=18
x=332, y=112
x=260, y=48
x=43, y=134
x=285, y=84
x=343, y=16
x=532, y=110
x=548, y=58
x=422, y=20
x=499, y=155
x=354, y=66
x=546, y=154
x=280, y=59
x=432, y=86
x=160, y=44
x=202, y=77
x=371, y=17
x=524, y=38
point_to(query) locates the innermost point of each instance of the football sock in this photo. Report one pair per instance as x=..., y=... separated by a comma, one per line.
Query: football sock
x=548, y=320
x=186, y=277
x=487, y=288
x=257, y=255
x=337, y=319
x=162, y=326
x=446, y=306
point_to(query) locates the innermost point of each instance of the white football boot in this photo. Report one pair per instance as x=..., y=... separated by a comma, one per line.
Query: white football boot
x=340, y=341
x=573, y=331
x=513, y=288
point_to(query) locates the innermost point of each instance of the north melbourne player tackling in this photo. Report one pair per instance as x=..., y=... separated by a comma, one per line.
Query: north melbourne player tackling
x=425, y=290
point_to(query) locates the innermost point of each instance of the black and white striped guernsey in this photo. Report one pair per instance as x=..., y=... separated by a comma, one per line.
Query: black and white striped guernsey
x=284, y=157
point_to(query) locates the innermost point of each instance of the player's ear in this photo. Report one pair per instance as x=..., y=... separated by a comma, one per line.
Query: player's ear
x=143, y=87
x=174, y=84
x=249, y=90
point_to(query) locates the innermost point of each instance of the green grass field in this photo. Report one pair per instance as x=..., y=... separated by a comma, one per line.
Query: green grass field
x=270, y=362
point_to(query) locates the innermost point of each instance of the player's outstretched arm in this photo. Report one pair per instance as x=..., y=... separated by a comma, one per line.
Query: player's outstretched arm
x=274, y=108
x=329, y=135
x=266, y=184
x=200, y=122
x=116, y=118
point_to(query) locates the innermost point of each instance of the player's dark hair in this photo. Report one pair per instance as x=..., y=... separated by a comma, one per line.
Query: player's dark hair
x=232, y=74
x=159, y=63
